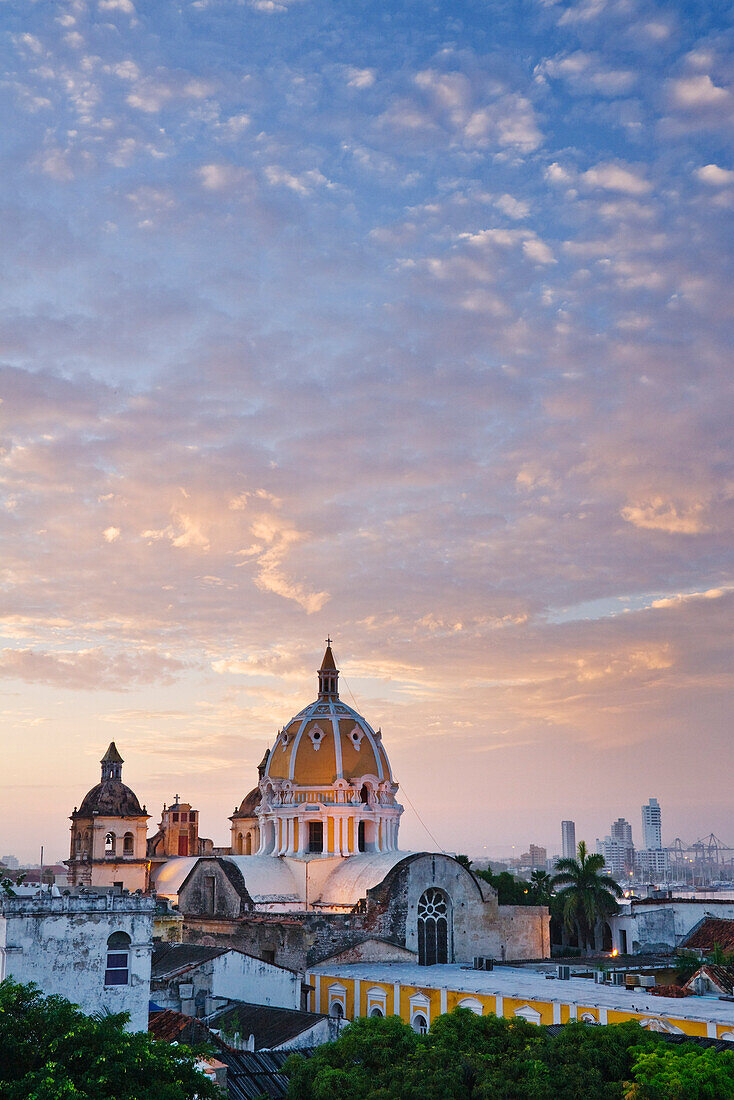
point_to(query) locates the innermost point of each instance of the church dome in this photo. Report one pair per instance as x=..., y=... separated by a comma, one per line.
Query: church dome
x=249, y=804
x=110, y=798
x=327, y=741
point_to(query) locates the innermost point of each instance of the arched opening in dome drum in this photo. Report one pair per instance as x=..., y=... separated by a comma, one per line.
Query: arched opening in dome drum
x=433, y=927
x=364, y=794
x=361, y=842
x=315, y=836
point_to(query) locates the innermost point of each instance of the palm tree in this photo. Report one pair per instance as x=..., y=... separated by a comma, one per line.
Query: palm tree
x=541, y=887
x=586, y=895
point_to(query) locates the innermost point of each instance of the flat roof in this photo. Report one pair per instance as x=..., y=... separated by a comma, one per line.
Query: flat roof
x=524, y=983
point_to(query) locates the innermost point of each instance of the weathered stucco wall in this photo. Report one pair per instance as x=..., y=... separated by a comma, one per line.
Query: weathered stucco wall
x=661, y=926
x=61, y=945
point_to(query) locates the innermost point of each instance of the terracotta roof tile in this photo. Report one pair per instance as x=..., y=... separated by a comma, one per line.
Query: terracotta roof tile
x=709, y=932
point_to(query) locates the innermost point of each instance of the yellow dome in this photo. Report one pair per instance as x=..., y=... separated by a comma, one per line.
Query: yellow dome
x=327, y=740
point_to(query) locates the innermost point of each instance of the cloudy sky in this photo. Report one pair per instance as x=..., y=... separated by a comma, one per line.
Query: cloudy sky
x=408, y=323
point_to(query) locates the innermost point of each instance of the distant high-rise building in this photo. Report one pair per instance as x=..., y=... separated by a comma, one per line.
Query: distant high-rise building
x=651, y=864
x=622, y=830
x=618, y=849
x=11, y=862
x=568, y=839
x=618, y=857
x=652, y=837
x=538, y=856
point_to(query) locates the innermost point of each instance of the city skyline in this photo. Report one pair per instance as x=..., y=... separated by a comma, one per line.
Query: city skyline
x=403, y=324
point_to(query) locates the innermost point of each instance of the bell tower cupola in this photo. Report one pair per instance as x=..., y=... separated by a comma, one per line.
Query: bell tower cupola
x=328, y=675
x=111, y=764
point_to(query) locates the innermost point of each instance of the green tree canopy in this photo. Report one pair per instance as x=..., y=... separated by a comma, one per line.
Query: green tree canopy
x=49, y=1050
x=677, y=1074
x=468, y=1057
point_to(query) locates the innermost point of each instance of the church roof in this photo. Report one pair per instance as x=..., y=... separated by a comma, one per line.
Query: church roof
x=112, y=756
x=110, y=799
x=353, y=877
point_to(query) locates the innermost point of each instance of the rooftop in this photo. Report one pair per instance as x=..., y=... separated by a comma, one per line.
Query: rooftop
x=270, y=1026
x=710, y=931
x=526, y=983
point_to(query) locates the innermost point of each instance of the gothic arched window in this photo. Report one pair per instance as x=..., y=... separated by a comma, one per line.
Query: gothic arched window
x=433, y=927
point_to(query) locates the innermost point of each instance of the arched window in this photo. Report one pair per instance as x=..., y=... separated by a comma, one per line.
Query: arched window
x=433, y=928
x=78, y=842
x=248, y=844
x=420, y=1024
x=364, y=794
x=361, y=842
x=376, y=1011
x=336, y=1010
x=128, y=844
x=117, y=969
x=109, y=844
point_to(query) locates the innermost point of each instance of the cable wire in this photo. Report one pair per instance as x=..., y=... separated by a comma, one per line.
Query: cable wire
x=402, y=785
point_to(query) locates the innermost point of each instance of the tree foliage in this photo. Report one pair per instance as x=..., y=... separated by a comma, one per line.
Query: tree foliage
x=489, y=1058
x=676, y=1074
x=510, y=890
x=49, y=1050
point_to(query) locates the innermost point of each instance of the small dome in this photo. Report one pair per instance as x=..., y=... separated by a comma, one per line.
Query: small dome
x=249, y=804
x=110, y=799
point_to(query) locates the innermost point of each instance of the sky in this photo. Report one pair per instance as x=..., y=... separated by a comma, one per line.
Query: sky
x=407, y=323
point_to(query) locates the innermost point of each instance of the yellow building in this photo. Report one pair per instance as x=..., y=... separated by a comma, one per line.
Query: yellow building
x=419, y=994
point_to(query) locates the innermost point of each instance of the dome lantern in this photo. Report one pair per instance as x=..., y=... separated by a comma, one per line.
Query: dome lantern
x=328, y=675
x=111, y=763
